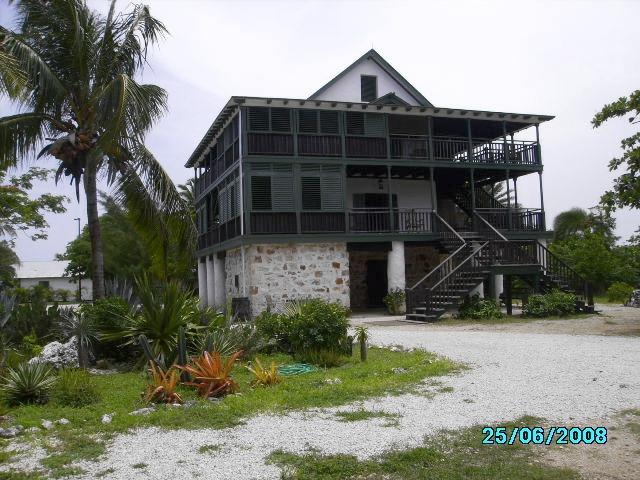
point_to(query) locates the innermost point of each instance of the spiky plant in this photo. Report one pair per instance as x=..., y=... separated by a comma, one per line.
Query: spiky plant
x=264, y=376
x=211, y=375
x=162, y=388
x=78, y=325
x=28, y=383
x=362, y=336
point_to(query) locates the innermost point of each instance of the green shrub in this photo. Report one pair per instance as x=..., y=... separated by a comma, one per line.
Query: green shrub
x=30, y=347
x=326, y=358
x=395, y=301
x=619, y=292
x=318, y=325
x=109, y=316
x=28, y=383
x=555, y=303
x=476, y=308
x=75, y=388
x=275, y=327
x=306, y=325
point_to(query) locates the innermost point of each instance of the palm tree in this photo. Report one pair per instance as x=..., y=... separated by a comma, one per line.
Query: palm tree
x=72, y=72
x=570, y=223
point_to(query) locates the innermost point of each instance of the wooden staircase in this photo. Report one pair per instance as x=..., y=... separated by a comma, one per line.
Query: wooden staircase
x=471, y=261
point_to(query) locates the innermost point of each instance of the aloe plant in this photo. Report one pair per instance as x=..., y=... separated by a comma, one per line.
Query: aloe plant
x=28, y=383
x=362, y=336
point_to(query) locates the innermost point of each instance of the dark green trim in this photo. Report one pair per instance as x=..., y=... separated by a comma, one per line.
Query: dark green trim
x=382, y=63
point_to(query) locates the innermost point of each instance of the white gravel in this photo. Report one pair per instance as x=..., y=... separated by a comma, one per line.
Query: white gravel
x=565, y=378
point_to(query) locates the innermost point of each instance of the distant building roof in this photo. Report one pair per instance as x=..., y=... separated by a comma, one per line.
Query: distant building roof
x=50, y=269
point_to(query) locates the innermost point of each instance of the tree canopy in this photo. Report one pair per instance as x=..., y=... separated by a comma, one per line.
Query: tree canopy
x=626, y=188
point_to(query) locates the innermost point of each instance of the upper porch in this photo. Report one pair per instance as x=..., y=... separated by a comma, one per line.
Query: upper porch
x=304, y=130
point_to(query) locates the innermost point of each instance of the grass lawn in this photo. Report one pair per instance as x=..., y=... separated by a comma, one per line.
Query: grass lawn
x=120, y=395
x=447, y=456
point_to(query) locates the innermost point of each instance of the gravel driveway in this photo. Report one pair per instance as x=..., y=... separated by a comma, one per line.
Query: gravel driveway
x=564, y=378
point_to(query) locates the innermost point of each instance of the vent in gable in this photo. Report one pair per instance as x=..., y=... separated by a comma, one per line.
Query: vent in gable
x=368, y=88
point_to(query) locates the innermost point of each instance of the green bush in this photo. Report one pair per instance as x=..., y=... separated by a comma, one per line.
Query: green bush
x=306, y=325
x=619, y=292
x=75, y=388
x=109, y=316
x=30, y=347
x=476, y=308
x=318, y=325
x=555, y=303
x=28, y=383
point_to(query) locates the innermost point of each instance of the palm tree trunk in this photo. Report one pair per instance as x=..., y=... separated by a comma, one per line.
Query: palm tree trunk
x=97, y=255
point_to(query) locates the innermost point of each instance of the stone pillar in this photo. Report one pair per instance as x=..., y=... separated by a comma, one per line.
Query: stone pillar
x=211, y=281
x=202, y=281
x=219, y=279
x=395, y=266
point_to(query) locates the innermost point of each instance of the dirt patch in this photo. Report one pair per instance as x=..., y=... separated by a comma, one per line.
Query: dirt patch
x=612, y=320
x=618, y=459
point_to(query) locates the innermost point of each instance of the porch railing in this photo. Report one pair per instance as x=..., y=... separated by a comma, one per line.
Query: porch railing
x=402, y=220
x=520, y=219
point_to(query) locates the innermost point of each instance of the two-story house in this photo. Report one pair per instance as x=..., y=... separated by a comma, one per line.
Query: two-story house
x=366, y=187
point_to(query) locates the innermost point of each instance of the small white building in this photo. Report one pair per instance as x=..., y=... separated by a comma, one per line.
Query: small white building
x=51, y=274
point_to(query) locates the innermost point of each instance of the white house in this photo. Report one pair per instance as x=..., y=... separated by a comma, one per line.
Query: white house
x=51, y=274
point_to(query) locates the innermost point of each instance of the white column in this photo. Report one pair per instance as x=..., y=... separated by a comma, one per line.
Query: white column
x=202, y=282
x=211, y=280
x=499, y=286
x=219, y=281
x=395, y=266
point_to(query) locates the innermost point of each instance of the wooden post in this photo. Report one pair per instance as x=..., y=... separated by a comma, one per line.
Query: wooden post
x=515, y=191
x=538, y=150
x=430, y=133
x=469, y=142
x=346, y=199
x=508, y=299
x=390, y=198
x=508, y=201
x=297, y=195
x=434, y=196
x=544, y=227
x=504, y=142
x=473, y=196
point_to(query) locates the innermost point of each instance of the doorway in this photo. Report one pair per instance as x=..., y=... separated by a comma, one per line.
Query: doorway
x=376, y=282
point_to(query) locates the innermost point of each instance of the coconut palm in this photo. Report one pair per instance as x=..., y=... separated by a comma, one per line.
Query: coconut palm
x=569, y=223
x=73, y=74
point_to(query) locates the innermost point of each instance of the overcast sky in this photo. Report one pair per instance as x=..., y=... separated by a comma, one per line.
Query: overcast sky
x=562, y=58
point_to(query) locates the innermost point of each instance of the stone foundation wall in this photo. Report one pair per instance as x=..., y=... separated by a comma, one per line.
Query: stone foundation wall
x=277, y=273
x=358, y=276
x=233, y=273
x=419, y=260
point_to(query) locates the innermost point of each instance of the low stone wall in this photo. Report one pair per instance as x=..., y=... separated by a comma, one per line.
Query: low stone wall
x=276, y=273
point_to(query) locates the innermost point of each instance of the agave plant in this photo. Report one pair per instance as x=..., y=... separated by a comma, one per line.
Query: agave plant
x=264, y=376
x=78, y=325
x=28, y=383
x=211, y=375
x=162, y=388
x=159, y=316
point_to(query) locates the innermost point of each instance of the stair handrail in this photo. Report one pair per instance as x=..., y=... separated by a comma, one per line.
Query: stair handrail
x=585, y=283
x=491, y=227
x=449, y=257
x=469, y=257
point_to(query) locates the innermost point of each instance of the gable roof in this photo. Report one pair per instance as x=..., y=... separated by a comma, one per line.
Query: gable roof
x=389, y=99
x=382, y=63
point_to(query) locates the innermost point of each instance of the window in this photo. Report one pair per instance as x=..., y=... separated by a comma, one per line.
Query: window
x=368, y=124
x=44, y=283
x=322, y=187
x=368, y=88
x=272, y=186
x=317, y=121
x=311, y=193
x=260, y=193
x=374, y=200
x=264, y=119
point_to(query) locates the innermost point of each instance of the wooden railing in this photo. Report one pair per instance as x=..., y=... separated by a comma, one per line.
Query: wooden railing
x=219, y=234
x=264, y=223
x=409, y=146
x=270, y=144
x=323, y=145
x=366, y=147
x=321, y=222
x=520, y=219
x=401, y=220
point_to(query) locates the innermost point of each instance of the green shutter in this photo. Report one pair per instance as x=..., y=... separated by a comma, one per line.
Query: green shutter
x=258, y=118
x=307, y=121
x=374, y=125
x=282, y=196
x=329, y=123
x=355, y=123
x=311, y=192
x=260, y=192
x=332, y=193
x=280, y=119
